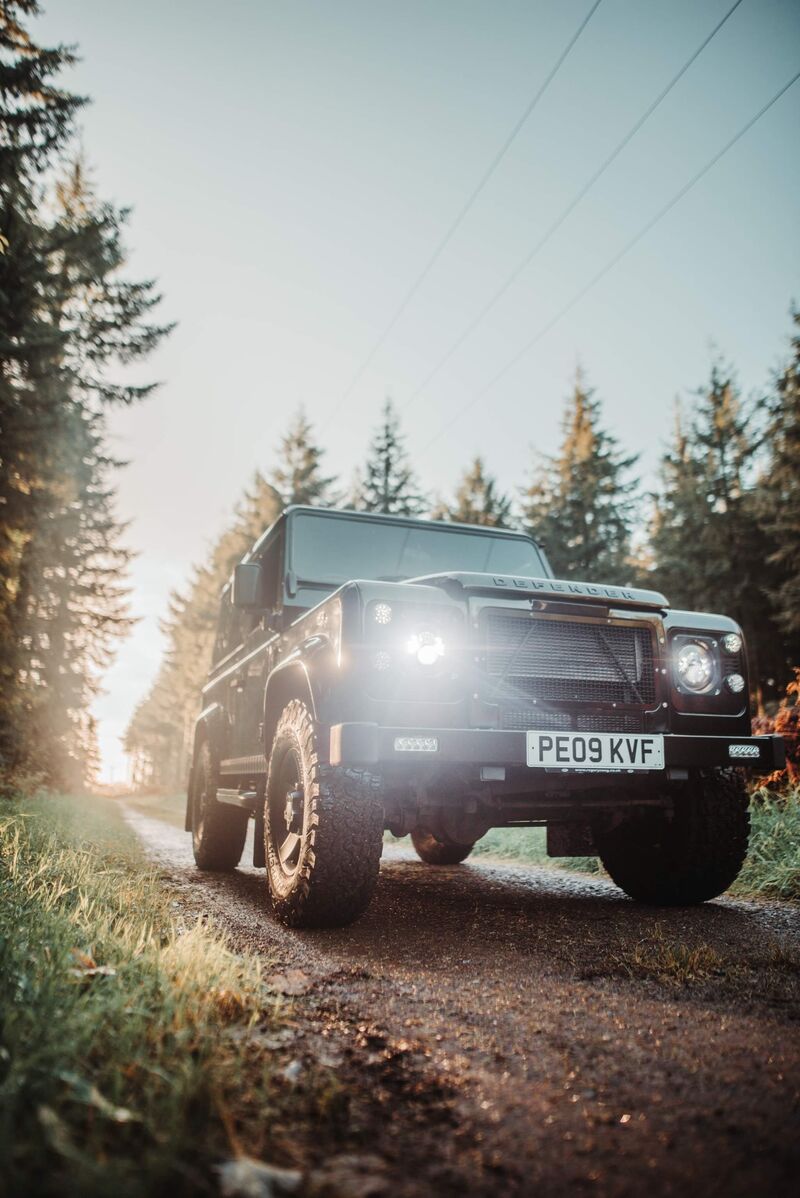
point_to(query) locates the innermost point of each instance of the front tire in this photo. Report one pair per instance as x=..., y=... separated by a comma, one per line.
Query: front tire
x=218, y=832
x=323, y=829
x=434, y=851
x=689, y=858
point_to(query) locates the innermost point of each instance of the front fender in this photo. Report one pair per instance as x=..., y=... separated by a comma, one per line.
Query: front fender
x=304, y=675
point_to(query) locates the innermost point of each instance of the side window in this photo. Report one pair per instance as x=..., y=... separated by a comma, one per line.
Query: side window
x=229, y=632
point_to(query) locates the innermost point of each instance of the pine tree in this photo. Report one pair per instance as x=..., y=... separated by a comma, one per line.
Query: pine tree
x=36, y=119
x=388, y=484
x=709, y=550
x=778, y=495
x=581, y=503
x=159, y=736
x=65, y=316
x=72, y=605
x=680, y=514
x=299, y=478
x=477, y=500
x=37, y=115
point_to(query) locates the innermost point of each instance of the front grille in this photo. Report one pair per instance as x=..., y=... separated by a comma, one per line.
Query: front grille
x=525, y=718
x=530, y=660
x=528, y=719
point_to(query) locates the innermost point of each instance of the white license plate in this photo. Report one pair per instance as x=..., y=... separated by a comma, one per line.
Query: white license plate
x=595, y=751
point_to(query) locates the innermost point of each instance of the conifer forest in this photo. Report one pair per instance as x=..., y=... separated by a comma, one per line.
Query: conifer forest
x=453, y=852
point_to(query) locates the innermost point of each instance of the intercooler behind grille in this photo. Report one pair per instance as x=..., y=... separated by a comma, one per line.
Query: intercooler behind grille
x=530, y=659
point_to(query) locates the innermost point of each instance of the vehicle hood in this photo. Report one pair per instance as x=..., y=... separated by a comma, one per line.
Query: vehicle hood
x=510, y=586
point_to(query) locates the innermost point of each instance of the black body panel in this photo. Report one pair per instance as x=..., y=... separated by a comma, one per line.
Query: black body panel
x=471, y=659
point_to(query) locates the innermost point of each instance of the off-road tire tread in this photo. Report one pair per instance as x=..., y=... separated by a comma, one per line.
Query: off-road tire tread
x=433, y=851
x=224, y=832
x=689, y=860
x=340, y=859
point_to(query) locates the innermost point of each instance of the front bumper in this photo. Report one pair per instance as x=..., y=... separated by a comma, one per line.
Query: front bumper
x=373, y=745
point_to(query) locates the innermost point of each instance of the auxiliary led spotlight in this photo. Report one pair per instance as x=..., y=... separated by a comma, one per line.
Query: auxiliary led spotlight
x=732, y=643
x=382, y=613
x=735, y=683
x=381, y=660
x=416, y=744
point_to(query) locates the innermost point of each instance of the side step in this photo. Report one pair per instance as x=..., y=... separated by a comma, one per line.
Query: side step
x=247, y=800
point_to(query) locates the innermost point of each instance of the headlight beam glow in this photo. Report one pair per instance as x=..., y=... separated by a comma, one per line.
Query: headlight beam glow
x=426, y=646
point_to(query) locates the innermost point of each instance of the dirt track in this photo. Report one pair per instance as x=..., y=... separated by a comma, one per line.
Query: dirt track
x=506, y=1030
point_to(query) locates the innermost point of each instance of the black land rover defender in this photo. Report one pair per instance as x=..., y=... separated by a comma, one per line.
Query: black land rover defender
x=376, y=672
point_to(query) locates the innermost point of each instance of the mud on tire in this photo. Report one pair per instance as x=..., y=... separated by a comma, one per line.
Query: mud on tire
x=688, y=859
x=323, y=829
x=433, y=851
x=218, y=832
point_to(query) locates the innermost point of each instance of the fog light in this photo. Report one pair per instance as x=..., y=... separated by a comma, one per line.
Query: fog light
x=732, y=643
x=416, y=744
x=382, y=613
x=426, y=647
x=381, y=661
x=735, y=683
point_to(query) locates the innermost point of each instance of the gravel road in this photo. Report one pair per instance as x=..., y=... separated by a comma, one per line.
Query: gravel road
x=510, y=1030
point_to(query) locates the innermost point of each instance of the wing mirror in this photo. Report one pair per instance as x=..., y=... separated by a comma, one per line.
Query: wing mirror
x=247, y=591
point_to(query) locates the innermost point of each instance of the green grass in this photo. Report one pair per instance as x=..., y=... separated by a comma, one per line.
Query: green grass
x=528, y=846
x=126, y=1039
x=772, y=868
x=665, y=962
x=771, y=971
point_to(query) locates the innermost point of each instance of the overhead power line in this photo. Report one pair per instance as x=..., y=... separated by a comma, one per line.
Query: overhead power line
x=449, y=234
x=609, y=266
x=525, y=262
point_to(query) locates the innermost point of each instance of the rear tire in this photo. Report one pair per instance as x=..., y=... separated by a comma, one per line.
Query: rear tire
x=433, y=851
x=685, y=860
x=323, y=830
x=218, y=832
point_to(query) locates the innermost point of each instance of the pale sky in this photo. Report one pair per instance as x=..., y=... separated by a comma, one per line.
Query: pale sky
x=292, y=167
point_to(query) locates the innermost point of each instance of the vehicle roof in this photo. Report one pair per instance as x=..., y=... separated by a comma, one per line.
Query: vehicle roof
x=351, y=513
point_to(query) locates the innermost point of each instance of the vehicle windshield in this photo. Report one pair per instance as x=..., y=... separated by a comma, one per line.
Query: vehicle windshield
x=331, y=550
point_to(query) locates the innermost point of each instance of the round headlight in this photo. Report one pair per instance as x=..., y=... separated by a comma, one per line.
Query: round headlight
x=732, y=643
x=695, y=666
x=735, y=683
x=427, y=647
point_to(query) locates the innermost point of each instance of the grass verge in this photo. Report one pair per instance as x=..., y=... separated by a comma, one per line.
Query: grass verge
x=128, y=1043
x=772, y=868
x=528, y=846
